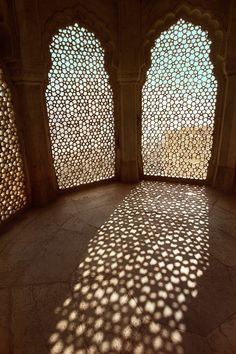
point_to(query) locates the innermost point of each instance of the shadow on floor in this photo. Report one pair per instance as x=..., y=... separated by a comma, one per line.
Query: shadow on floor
x=149, y=282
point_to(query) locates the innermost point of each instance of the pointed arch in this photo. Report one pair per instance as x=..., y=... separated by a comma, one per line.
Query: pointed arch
x=91, y=22
x=217, y=35
x=80, y=109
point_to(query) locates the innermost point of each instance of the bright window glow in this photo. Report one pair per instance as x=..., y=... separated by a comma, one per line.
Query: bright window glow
x=80, y=109
x=178, y=104
x=12, y=182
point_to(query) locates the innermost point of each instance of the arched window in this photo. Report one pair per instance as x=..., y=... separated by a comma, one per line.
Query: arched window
x=80, y=109
x=12, y=182
x=178, y=104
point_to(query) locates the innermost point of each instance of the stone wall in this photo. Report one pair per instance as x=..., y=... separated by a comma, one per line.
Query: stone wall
x=127, y=30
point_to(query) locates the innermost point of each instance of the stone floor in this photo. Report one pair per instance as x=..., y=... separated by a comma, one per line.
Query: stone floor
x=149, y=268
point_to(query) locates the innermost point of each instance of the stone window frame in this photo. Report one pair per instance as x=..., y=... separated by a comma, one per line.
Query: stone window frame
x=88, y=20
x=217, y=36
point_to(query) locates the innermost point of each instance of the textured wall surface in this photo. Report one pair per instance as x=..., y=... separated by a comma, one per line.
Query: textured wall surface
x=127, y=31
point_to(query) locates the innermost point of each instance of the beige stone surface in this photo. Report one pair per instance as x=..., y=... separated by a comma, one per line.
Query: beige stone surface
x=26, y=330
x=158, y=275
x=120, y=269
x=127, y=31
x=5, y=321
x=223, y=250
x=223, y=339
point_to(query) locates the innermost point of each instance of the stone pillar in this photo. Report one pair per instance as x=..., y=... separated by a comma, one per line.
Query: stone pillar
x=128, y=77
x=31, y=112
x=27, y=73
x=225, y=174
x=128, y=132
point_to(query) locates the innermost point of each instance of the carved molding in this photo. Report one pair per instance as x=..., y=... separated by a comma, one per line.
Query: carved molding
x=87, y=19
x=196, y=16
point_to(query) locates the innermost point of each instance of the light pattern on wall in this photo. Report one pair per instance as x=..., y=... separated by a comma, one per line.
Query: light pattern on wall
x=12, y=185
x=178, y=103
x=80, y=109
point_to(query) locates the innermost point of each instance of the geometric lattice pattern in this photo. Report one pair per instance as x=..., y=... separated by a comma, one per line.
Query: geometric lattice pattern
x=12, y=184
x=80, y=109
x=178, y=104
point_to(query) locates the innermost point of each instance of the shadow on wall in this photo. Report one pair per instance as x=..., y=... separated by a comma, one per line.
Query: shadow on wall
x=140, y=277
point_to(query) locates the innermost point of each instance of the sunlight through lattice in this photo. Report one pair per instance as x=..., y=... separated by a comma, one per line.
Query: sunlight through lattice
x=12, y=185
x=80, y=109
x=134, y=287
x=179, y=99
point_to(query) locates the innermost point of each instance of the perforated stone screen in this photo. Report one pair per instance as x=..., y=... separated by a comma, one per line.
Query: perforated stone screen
x=80, y=109
x=178, y=103
x=12, y=183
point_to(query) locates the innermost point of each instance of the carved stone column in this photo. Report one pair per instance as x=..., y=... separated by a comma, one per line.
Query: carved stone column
x=31, y=112
x=226, y=171
x=26, y=72
x=128, y=131
x=128, y=80
x=225, y=176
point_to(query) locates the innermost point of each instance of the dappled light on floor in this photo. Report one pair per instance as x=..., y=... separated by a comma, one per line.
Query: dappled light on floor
x=131, y=292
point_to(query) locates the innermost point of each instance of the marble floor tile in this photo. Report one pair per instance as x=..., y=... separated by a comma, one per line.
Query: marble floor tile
x=5, y=316
x=144, y=269
x=27, y=331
